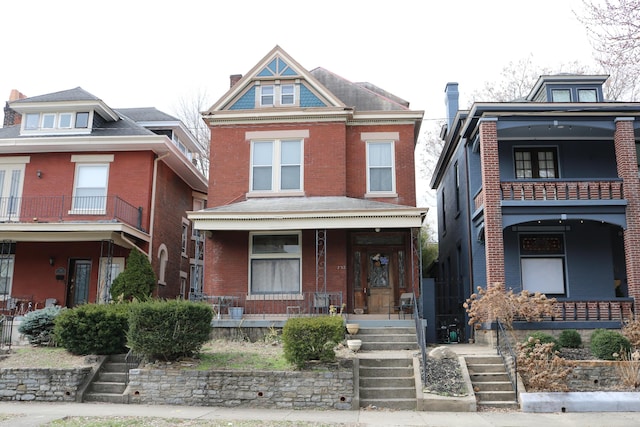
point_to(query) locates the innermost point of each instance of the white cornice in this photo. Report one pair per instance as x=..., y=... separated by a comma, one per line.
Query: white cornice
x=68, y=232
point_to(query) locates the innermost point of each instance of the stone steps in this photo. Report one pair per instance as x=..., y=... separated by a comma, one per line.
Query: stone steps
x=110, y=383
x=387, y=338
x=490, y=382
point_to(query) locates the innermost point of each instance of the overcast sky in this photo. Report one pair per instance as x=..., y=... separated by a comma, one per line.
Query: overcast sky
x=140, y=53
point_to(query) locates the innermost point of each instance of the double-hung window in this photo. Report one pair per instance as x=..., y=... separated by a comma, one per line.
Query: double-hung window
x=536, y=162
x=275, y=263
x=276, y=165
x=287, y=95
x=380, y=167
x=267, y=95
x=90, y=187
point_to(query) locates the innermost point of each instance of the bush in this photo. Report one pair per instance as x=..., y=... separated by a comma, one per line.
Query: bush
x=609, y=345
x=93, y=329
x=38, y=326
x=168, y=330
x=137, y=281
x=570, y=338
x=542, y=338
x=311, y=338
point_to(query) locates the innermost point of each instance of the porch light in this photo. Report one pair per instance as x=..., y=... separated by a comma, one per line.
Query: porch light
x=39, y=173
x=52, y=261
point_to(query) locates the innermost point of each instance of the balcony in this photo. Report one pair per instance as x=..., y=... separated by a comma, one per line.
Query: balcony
x=562, y=190
x=44, y=209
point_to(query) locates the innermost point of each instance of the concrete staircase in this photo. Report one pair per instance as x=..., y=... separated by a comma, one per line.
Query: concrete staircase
x=110, y=382
x=388, y=338
x=490, y=382
x=387, y=383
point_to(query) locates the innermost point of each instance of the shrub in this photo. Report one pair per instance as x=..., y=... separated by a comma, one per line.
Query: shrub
x=570, y=338
x=169, y=330
x=609, y=345
x=136, y=281
x=541, y=338
x=311, y=338
x=93, y=329
x=540, y=366
x=631, y=330
x=38, y=326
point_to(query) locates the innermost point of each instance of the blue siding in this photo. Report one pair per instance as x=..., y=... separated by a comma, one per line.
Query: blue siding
x=308, y=99
x=246, y=101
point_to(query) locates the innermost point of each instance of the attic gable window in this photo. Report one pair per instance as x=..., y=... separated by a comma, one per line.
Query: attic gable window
x=266, y=95
x=276, y=94
x=287, y=95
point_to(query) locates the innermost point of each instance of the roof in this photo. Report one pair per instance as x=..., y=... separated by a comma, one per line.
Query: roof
x=361, y=96
x=75, y=94
x=290, y=213
x=146, y=114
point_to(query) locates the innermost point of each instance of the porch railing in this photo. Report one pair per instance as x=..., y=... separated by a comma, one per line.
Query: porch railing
x=420, y=333
x=506, y=351
x=618, y=309
x=281, y=304
x=562, y=190
x=68, y=208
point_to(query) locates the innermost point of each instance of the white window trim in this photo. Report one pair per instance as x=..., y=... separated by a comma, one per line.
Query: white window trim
x=11, y=164
x=56, y=128
x=252, y=256
x=392, y=193
x=293, y=86
x=71, y=120
x=79, y=163
x=276, y=168
x=184, y=238
x=162, y=264
x=273, y=95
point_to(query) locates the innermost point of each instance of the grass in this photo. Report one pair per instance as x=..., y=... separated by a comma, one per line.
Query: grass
x=242, y=361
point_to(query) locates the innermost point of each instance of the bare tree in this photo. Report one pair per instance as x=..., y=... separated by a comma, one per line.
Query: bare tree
x=614, y=29
x=189, y=112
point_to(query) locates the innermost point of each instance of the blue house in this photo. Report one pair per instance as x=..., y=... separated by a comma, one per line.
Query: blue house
x=541, y=194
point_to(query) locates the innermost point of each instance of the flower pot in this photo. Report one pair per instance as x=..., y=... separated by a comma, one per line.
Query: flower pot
x=354, y=345
x=353, y=328
x=235, y=313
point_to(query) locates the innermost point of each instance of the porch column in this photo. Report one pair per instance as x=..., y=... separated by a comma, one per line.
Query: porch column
x=625, y=145
x=494, y=243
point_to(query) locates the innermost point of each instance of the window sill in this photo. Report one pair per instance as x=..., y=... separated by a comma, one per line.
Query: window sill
x=380, y=194
x=276, y=194
x=87, y=212
x=284, y=297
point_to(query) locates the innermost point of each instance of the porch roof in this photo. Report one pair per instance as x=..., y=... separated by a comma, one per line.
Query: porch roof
x=287, y=213
x=121, y=234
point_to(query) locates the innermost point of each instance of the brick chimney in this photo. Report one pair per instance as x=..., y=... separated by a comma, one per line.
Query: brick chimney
x=11, y=117
x=234, y=78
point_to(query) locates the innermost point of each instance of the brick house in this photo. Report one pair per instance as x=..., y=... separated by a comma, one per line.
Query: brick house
x=312, y=199
x=542, y=194
x=83, y=184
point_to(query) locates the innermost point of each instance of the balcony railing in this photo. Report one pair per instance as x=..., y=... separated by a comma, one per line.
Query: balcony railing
x=618, y=309
x=67, y=209
x=562, y=190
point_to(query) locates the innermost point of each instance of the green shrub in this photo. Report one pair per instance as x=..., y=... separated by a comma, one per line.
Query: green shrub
x=168, y=330
x=137, y=281
x=570, y=338
x=311, y=338
x=544, y=338
x=38, y=325
x=93, y=329
x=605, y=344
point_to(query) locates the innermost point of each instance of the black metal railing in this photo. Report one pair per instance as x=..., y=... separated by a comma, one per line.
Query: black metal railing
x=421, y=335
x=131, y=361
x=506, y=351
x=6, y=329
x=67, y=208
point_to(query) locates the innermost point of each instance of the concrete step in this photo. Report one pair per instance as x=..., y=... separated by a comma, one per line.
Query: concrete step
x=114, y=367
x=479, y=360
x=489, y=377
x=117, y=358
x=105, y=398
x=493, y=386
x=399, y=404
x=385, y=372
x=484, y=368
x=388, y=346
x=374, y=382
x=387, y=393
x=112, y=377
x=386, y=331
x=499, y=405
x=386, y=363
x=106, y=387
x=388, y=338
x=496, y=396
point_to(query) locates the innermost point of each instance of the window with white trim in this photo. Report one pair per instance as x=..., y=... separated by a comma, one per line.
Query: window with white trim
x=31, y=121
x=11, y=182
x=56, y=121
x=276, y=165
x=267, y=93
x=48, y=121
x=275, y=262
x=163, y=258
x=90, y=188
x=542, y=263
x=380, y=167
x=185, y=237
x=287, y=95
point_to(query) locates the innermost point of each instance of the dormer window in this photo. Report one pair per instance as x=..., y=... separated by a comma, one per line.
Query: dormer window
x=266, y=95
x=64, y=121
x=574, y=95
x=56, y=121
x=31, y=121
x=561, y=95
x=82, y=120
x=276, y=94
x=48, y=121
x=287, y=95
x=587, y=95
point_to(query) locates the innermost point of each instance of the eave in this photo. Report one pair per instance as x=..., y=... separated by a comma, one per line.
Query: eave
x=71, y=232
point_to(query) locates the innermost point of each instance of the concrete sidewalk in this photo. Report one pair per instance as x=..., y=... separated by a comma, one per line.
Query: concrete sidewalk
x=35, y=414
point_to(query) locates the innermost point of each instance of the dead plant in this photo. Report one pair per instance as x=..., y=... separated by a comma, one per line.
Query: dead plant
x=628, y=369
x=541, y=368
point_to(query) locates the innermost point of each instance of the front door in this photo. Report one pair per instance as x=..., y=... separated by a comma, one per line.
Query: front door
x=380, y=282
x=79, y=279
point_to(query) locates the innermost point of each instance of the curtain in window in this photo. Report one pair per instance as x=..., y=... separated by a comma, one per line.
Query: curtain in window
x=275, y=276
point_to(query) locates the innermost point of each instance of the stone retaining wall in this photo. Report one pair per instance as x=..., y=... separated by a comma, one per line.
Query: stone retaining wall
x=45, y=385
x=315, y=389
x=594, y=375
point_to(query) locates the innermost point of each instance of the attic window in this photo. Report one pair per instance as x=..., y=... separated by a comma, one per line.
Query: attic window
x=561, y=95
x=287, y=95
x=266, y=95
x=587, y=95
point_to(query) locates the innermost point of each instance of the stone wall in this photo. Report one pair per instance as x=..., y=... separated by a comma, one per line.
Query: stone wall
x=46, y=385
x=332, y=388
x=598, y=375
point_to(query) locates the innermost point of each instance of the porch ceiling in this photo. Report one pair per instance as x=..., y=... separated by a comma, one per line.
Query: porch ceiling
x=71, y=232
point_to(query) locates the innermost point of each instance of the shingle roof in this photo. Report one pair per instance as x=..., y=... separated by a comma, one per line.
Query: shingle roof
x=76, y=94
x=146, y=114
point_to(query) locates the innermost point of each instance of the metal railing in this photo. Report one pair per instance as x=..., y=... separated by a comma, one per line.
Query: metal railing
x=421, y=334
x=506, y=351
x=131, y=361
x=6, y=329
x=39, y=209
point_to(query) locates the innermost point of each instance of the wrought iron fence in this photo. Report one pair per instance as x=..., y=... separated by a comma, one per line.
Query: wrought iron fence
x=506, y=351
x=6, y=327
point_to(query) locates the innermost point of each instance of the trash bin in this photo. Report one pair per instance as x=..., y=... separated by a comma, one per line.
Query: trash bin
x=235, y=313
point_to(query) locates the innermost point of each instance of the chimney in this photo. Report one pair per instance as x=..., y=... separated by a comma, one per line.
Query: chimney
x=11, y=117
x=234, y=78
x=451, y=102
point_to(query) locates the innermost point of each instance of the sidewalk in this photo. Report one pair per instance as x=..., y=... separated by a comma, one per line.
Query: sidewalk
x=35, y=414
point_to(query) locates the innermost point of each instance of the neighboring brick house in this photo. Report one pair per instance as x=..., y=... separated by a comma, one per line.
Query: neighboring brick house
x=542, y=194
x=82, y=184
x=312, y=201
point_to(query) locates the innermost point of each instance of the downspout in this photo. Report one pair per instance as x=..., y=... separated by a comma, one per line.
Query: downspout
x=153, y=203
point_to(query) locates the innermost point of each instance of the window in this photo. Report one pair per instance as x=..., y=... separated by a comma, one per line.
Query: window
x=276, y=165
x=48, y=121
x=287, y=96
x=90, y=192
x=380, y=167
x=82, y=120
x=108, y=275
x=275, y=261
x=536, y=163
x=185, y=236
x=456, y=172
x=64, y=121
x=587, y=95
x=561, y=95
x=31, y=121
x=163, y=258
x=6, y=274
x=11, y=180
x=266, y=95
x=542, y=263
